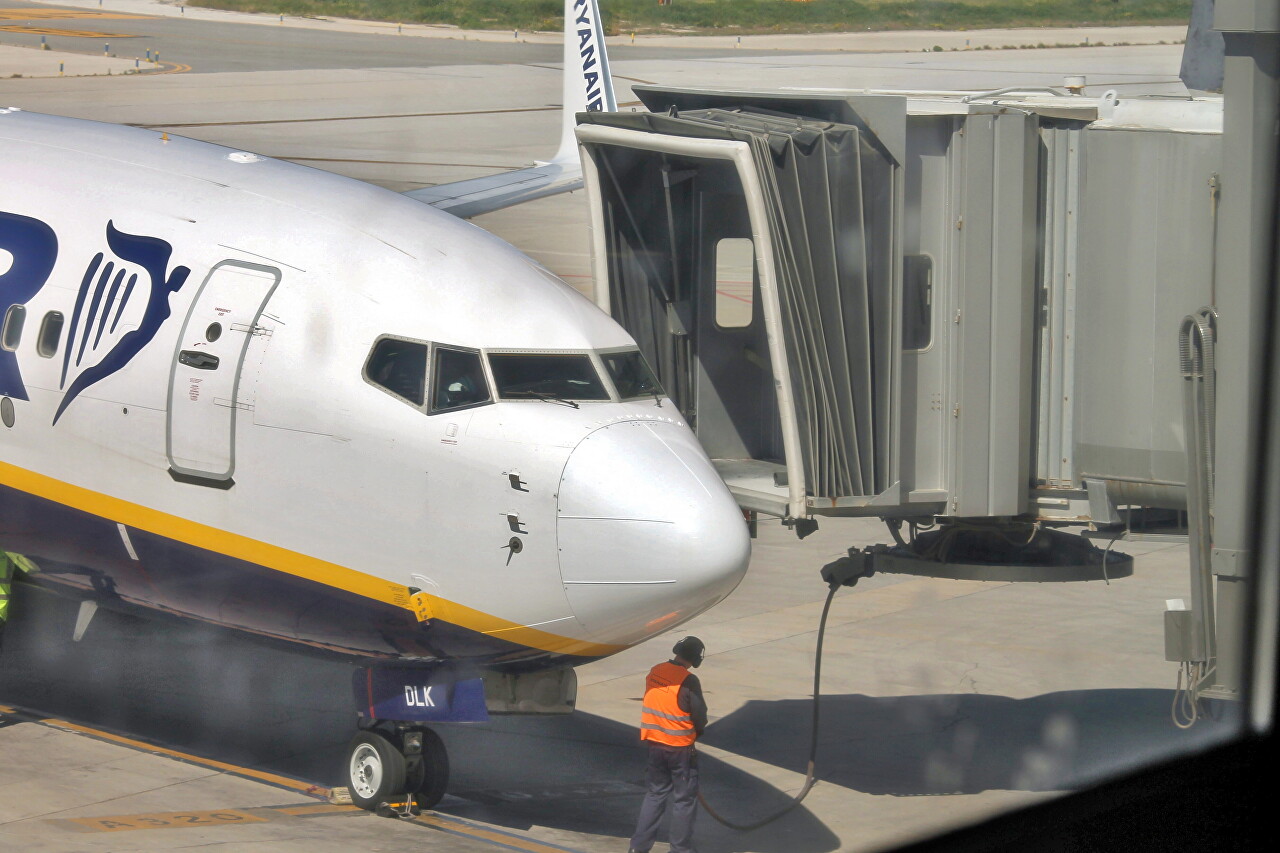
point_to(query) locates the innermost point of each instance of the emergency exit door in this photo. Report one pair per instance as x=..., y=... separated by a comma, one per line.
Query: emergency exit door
x=206, y=369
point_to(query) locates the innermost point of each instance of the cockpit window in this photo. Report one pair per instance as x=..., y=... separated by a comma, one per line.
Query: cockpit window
x=458, y=380
x=400, y=367
x=549, y=377
x=631, y=374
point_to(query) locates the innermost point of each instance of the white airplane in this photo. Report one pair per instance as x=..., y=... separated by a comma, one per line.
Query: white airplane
x=249, y=392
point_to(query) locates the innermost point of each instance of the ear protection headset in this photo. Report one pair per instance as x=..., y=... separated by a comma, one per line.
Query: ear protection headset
x=691, y=649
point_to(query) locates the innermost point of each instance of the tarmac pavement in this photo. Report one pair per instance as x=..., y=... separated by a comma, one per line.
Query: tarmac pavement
x=944, y=702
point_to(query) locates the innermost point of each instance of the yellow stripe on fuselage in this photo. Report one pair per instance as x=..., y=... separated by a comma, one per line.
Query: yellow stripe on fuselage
x=283, y=560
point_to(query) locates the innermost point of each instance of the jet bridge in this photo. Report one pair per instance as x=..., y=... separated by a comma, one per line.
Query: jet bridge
x=754, y=256
x=905, y=339
x=989, y=312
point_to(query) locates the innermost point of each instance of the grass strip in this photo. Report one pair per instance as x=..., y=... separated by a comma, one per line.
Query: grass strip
x=738, y=16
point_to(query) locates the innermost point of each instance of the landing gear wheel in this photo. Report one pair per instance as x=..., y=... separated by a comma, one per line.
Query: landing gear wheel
x=375, y=770
x=429, y=775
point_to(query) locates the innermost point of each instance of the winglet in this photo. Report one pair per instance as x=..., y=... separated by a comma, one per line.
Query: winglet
x=588, y=86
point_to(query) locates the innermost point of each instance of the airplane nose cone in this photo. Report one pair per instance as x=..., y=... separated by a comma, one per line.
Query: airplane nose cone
x=649, y=535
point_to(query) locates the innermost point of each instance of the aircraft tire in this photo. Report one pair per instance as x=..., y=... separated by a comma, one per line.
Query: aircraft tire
x=430, y=776
x=375, y=770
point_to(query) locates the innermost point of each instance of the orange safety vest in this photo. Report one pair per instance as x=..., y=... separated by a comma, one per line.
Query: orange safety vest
x=661, y=719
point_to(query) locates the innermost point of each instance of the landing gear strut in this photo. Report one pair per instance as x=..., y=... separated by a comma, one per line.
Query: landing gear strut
x=387, y=761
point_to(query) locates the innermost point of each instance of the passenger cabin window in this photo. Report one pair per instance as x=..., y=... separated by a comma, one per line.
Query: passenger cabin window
x=458, y=380
x=547, y=377
x=631, y=374
x=400, y=367
x=50, y=335
x=11, y=332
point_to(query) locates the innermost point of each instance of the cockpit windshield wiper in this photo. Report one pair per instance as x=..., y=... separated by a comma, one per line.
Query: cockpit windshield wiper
x=548, y=398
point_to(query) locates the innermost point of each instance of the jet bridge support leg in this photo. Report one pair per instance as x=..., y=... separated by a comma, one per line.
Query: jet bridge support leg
x=1244, y=277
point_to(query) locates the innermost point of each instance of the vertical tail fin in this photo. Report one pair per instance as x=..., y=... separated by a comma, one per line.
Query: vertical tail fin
x=588, y=85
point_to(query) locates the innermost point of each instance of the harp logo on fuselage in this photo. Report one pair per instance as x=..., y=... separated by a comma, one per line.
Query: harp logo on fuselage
x=121, y=303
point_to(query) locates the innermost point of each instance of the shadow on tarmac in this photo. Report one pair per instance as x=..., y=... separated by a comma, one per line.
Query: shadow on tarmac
x=235, y=698
x=968, y=743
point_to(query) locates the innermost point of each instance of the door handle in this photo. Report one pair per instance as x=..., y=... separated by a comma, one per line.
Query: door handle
x=198, y=360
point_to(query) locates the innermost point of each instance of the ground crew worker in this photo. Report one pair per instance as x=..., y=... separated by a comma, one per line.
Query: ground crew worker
x=10, y=564
x=6, y=584
x=673, y=717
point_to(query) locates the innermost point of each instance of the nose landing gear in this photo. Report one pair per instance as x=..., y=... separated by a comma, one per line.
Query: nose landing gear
x=397, y=770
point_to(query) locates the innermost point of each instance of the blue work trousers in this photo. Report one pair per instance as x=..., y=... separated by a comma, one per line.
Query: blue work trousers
x=672, y=773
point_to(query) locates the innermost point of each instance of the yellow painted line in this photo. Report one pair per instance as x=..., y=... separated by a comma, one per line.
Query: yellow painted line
x=5, y=709
x=172, y=68
x=203, y=536
x=309, y=811
x=45, y=14
x=142, y=746
x=234, y=817
x=286, y=561
x=166, y=820
x=54, y=31
x=504, y=839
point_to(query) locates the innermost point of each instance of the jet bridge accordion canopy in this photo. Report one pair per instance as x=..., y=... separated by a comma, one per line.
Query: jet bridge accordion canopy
x=797, y=404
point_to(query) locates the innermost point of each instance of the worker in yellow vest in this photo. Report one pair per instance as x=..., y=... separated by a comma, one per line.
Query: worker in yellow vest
x=10, y=565
x=6, y=583
x=672, y=719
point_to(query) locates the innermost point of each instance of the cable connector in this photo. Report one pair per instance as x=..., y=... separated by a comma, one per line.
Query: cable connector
x=847, y=571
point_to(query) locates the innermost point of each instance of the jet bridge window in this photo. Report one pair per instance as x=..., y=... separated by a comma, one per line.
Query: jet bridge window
x=11, y=333
x=735, y=282
x=631, y=374
x=458, y=380
x=399, y=367
x=917, y=302
x=547, y=377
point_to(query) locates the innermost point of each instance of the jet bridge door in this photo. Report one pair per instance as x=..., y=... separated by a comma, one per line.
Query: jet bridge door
x=794, y=399
x=206, y=369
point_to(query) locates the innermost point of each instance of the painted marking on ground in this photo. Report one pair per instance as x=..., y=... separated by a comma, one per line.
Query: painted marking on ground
x=142, y=746
x=55, y=31
x=219, y=817
x=240, y=817
x=164, y=820
x=171, y=68
x=318, y=810
x=45, y=14
x=237, y=816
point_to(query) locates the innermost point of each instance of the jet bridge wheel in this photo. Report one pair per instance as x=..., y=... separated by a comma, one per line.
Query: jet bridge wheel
x=375, y=769
x=428, y=773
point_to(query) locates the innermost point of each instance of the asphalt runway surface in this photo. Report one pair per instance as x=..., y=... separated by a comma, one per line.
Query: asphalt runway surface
x=214, y=46
x=945, y=702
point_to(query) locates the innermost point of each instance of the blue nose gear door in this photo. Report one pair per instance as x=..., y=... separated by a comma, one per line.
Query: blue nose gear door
x=206, y=369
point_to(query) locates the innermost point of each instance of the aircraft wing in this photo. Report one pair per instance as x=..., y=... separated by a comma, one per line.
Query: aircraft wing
x=588, y=86
x=472, y=197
